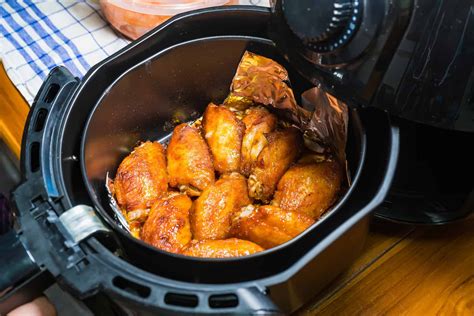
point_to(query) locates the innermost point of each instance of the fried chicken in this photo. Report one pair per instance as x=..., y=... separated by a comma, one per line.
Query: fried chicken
x=227, y=248
x=190, y=166
x=223, y=132
x=309, y=188
x=141, y=178
x=212, y=211
x=268, y=226
x=258, y=122
x=167, y=226
x=276, y=157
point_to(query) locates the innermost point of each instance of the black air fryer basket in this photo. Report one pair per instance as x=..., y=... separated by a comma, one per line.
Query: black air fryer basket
x=78, y=130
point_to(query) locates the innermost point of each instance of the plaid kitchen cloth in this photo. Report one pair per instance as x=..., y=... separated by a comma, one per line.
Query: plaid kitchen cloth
x=36, y=36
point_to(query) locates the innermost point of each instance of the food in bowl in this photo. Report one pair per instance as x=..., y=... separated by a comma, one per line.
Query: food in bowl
x=238, y=180
x=133, y=18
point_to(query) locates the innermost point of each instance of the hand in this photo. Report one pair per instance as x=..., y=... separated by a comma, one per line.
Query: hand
x=38, y=307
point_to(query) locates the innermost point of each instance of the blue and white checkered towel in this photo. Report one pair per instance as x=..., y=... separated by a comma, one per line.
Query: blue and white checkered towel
x=36, y=36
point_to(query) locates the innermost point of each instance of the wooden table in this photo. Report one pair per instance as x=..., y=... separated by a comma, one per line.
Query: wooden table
x=403, y=270
x=406, y=270
x=13, y=112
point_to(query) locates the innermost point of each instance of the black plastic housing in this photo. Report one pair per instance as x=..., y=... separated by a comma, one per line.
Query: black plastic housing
x=412, y=58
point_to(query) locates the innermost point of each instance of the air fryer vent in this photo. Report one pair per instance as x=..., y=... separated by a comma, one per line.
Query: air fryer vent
x=223, y=301
x=183, y=300
x=51, y=93
x=131, y=287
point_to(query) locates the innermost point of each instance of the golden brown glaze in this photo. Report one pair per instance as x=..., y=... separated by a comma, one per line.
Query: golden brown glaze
x=276, y=157
x=190, y=165
x=258, y=122
x=227, y=248
x=141, y=177
x=309, y=188
x=212, y=212
x=268, y=226
x=223, y=132
x=167, y=226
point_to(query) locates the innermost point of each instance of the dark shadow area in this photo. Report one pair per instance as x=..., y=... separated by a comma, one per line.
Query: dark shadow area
x=9, y=170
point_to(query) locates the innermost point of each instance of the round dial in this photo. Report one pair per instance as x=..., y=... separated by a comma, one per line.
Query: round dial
x=322, y=25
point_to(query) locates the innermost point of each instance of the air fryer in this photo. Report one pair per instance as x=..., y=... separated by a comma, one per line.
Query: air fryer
x=91, y=124
x=79, y=129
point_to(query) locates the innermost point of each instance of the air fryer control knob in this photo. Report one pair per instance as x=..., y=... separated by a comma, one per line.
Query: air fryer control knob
x=322, y=25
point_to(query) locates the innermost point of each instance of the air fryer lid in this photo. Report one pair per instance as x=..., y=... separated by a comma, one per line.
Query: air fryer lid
x=175, y=85
x=411, y=58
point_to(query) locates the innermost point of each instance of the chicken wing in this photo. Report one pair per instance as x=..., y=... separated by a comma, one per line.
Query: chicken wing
x=189, y=161
x=212, y=211
x=167, y=226
x=135, y=220
x=258, y=122
x=227, y=248
x=223, y=132
x=282, y=149
x=309, y=188
x=141, y=178
x=268, y=226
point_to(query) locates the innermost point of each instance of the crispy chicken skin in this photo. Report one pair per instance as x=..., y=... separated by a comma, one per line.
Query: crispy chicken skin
x=227, y=248
x=212, y=212
x=141, y=177
x=190, y=165
x=258, y=122
x=276, y=157
x=167, y=226
x=309, y=188
x=268, y=226
x=223, y=132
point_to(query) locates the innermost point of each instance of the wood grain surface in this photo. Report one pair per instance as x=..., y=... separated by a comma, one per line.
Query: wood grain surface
x=13, y=113
x=429, y=272
x=382, y=238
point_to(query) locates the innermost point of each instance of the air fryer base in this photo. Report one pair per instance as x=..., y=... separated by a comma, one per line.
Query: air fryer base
x=89, y=268
x=289, y=296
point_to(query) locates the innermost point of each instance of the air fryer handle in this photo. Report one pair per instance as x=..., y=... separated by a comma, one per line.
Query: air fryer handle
x=53, y=93
x=15, y=261
x=21, y=279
